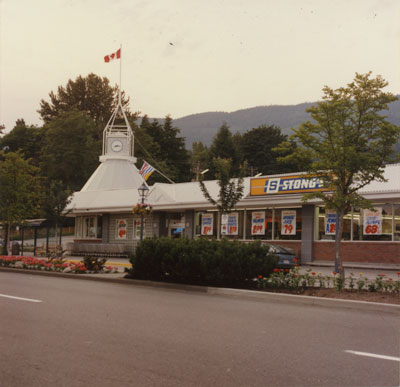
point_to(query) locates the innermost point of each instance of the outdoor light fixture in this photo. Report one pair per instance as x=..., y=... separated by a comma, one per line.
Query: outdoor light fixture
x=258, y=174
x=203, y=172
x=143, y=191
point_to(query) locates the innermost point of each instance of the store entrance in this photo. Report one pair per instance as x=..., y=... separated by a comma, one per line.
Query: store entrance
x=176, y=227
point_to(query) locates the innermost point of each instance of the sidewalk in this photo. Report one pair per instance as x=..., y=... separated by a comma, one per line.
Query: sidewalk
x=368, y=270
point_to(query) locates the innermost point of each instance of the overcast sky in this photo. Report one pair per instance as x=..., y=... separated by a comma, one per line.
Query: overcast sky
x=182, y=57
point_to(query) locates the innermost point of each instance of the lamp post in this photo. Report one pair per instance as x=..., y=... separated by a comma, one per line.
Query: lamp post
x=143, y=191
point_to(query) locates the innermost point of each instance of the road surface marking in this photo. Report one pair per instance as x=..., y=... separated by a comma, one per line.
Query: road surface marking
x=20, y=298
x=374, y=355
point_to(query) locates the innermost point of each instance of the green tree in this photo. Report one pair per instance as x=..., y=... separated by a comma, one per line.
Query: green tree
x=70, y=152
x=24, y=138
x=230, y=189
x=199, y=158
x=145, y=146
x=167, y=150
x=175, y=151
x=92, y=95
x=348, y=144
x=258, y=147
x=19, y=190
x=223, y=146
x=55, y=199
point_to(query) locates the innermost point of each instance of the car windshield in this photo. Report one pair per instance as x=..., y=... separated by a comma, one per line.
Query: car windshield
x=278, y=249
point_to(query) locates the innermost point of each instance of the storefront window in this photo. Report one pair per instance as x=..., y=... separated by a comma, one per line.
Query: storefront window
x=88, y=227
x=363, y=224
x=327, y=225
x=259, y=224
x=232, y=225
x=396, y=222
x=387, y=222
x=357, y=224
x=206, y=224
x=376, y=224
x=287, y=224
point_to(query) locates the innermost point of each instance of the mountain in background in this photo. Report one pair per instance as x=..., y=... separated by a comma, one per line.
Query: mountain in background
x=203, y=126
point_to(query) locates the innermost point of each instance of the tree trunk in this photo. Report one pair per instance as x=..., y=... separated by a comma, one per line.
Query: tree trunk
x=338, y=238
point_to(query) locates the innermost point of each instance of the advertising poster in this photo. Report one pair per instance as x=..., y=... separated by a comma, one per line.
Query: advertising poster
x=330, y=222
x=207, y=224
x=229, y=224
x=258, y=223
x=137, y=228
x=122, y=227
x=373, y=222
x=288, y=222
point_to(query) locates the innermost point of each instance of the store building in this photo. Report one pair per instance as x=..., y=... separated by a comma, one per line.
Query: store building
x=271, y=210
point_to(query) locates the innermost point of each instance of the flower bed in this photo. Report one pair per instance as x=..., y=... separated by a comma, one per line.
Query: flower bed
x=285, y=279
x=57, y=265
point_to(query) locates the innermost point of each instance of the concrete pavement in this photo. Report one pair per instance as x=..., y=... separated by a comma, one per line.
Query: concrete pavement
x=67, y=333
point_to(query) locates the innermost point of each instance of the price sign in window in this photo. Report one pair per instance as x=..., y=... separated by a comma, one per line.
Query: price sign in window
x=288, y=222
x=122, y=228
x=373, y=222
x=330, y=222
x=258, y=223
x=207, y=224
x=230, y=224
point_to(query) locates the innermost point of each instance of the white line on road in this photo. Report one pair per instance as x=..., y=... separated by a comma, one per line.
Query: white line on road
x=20, y=298
x=374, y=355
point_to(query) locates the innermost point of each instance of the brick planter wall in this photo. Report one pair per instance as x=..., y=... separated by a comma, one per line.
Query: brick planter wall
x=374, y=252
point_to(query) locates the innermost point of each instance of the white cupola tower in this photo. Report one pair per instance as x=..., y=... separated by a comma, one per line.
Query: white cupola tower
x=117, y=170
x=118, y=137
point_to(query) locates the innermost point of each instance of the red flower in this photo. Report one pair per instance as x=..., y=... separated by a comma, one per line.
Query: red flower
x=286, y=270
x=260, y=277
x=295, y=260
x=313, y=273
x=334, y=273
x=398, y=273
x=390, y=279
x=276, y=270
x=382, y=275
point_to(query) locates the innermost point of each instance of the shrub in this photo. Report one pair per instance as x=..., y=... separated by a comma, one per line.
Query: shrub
x=202, y=261
x=94, y=263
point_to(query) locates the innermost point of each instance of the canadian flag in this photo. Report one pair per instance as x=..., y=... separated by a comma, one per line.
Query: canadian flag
x=114, y=55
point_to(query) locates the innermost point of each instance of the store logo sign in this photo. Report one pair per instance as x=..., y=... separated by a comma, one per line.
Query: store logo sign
x=285, y=185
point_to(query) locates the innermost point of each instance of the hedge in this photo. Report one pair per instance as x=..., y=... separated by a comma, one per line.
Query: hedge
x=202, y=261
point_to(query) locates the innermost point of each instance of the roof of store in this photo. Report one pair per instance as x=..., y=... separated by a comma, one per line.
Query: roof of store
x=113, y=188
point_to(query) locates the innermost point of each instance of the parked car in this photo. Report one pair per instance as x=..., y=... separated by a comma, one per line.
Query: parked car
x=287, y=257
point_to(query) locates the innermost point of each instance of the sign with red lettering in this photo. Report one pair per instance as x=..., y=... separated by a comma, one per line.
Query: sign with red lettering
x=122, y=228
x=330, y=222
x=288, y=222
x=230, y=224
x=373, y=222
x=207, y=224
x=258, y=223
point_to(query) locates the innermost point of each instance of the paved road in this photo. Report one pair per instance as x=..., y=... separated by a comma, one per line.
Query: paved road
x=85, y=333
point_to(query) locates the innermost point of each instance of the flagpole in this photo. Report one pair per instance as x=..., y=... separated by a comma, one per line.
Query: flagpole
x=120, y=72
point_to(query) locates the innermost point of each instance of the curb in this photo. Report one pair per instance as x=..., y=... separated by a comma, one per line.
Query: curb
x=226, y=292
